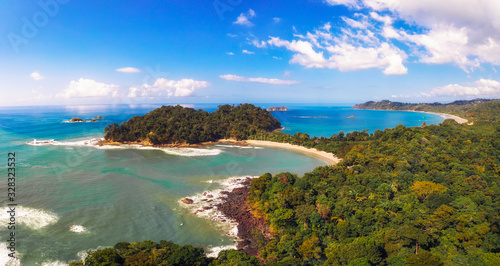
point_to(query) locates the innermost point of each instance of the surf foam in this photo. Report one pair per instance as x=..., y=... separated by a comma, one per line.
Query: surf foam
x=204, y=205
x=34, y=219
x=94, y=142
x=4, y=256
x=77, y=228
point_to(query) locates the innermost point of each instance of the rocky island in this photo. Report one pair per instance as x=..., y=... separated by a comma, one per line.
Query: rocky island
x=277, y=109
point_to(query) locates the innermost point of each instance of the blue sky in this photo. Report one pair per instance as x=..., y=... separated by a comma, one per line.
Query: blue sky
x=232, y=51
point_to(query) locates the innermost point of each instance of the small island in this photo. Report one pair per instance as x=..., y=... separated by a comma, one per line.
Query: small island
x=277, y=109
x=179, y=126
x=76, y=119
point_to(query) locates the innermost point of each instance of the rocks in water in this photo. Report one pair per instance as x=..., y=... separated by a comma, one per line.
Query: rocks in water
x=351, y=116
x=187, y=201
x=76, y=119
x=277, y=109
x=98, y=117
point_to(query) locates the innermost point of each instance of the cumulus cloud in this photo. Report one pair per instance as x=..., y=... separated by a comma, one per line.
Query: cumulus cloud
x=36, y=76
x=244, y=18
x=229, y=53
x=89, y=88
x=128, y=70
x=482, y=87
x=461, y=32
x=350, y=52
x=259, y=80
x=167, y=88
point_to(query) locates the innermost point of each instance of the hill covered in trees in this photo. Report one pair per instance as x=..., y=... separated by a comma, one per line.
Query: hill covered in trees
x=403, y=196
x=179, y=125
x=462, y=108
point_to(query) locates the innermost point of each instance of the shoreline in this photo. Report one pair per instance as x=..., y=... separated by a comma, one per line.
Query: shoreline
x=325, y=156
x=457, y=119
x=229, y=208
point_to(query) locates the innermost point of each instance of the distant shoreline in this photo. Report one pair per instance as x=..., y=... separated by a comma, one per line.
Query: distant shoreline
x=458, y=119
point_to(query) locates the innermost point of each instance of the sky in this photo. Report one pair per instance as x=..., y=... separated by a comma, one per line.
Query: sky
x=55, y=52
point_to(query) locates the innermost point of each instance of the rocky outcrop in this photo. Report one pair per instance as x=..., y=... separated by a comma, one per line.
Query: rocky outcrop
x=76, y=119
x=237, y=208
x=277, y=109
x=98, y=117
x=351, y=116
x=187, y=201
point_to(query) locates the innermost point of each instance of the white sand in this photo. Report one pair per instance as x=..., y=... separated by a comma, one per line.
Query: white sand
x=325, y=156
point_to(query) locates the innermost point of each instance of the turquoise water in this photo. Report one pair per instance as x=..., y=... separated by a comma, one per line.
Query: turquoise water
x=73, y=197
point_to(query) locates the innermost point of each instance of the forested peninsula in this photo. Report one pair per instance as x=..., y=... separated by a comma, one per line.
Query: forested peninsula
x=403, y=196
x=178, y=125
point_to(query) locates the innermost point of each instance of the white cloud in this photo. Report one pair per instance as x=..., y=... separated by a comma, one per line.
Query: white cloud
x=167, y=88
x=128, y=70
x=348, y=3
x=276, y=20
x=482, y=87
x=244, y=18
x=36, y=76
x=89, y=88
x=259, y=80
x=354, y=23
x=232, y=35
x=277, y=58
x=345, y=56
x=256, y=43
x=230, y=53
x=247, y=52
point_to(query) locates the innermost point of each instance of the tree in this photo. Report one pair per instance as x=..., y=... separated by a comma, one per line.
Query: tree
x=423, y=189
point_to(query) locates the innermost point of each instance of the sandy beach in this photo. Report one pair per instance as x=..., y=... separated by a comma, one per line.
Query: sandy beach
x=447, y=116
x=325, y=156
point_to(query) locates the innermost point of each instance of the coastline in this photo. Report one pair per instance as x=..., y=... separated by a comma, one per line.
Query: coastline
x=325, y=156
x=458, y=119
x=229, y=208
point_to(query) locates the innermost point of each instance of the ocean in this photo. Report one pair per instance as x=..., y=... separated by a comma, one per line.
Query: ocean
x=73, y=197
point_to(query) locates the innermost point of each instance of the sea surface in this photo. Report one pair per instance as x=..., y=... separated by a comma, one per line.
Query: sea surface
x=73, y=197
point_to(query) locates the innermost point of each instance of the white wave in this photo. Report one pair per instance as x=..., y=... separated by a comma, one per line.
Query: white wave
x=85, y=142
x=4, y=256
x=77, y=228
x=236, y=146
x=32, y=218
x=191, y=151
x=95, y=141
x=227, y=145
x=55, y=263
x=213, y=251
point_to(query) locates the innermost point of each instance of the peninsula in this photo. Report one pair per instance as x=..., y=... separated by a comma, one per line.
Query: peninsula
x=176, y=125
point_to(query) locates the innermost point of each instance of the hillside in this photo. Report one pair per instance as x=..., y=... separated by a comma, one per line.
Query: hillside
x=179, y=125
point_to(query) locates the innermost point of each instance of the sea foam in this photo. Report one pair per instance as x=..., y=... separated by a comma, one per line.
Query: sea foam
x=34, y=219
x=4, y=256
x=95, y=141
x=204, y=205
x=77, y=228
